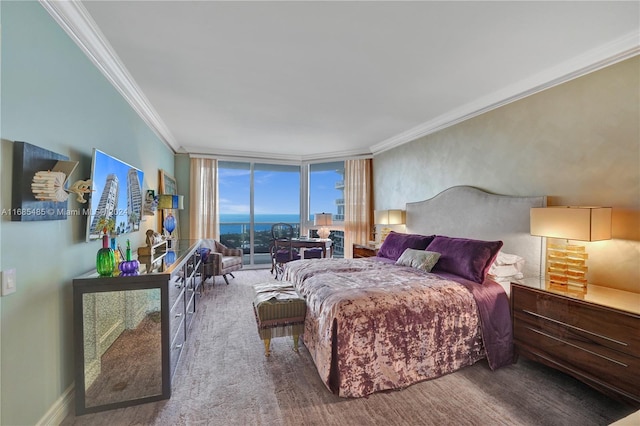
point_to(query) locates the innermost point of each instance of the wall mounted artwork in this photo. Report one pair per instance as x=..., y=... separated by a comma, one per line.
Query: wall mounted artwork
x=39, y=184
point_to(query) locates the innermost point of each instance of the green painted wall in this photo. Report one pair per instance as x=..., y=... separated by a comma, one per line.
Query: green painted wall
x=55, y=98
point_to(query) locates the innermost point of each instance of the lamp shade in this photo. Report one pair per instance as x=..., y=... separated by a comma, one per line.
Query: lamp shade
x=572, y=223
x=389, y=217
x=168, y=201
x=322, y=219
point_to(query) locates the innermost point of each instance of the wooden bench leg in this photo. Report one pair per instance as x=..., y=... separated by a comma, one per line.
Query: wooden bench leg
x=295, y=342
x=267, y=343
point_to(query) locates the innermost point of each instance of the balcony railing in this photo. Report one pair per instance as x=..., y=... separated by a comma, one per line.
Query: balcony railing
x=236, y=235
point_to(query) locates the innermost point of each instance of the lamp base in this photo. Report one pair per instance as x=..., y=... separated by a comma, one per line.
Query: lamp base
x=566, y=265
x=324, y=233
x=383, y=233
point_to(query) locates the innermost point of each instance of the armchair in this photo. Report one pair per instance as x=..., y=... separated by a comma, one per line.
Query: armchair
x=221, y=261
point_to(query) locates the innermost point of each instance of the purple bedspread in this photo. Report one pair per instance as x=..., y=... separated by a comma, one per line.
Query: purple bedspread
x=495, y=317
x=372, y=326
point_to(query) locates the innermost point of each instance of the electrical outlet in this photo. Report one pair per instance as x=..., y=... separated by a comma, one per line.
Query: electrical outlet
x=8, y=281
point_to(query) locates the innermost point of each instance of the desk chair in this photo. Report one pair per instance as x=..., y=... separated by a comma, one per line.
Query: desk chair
x=282, y=250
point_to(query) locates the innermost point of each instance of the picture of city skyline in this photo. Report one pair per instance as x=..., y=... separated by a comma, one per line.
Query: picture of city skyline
x=116, y=194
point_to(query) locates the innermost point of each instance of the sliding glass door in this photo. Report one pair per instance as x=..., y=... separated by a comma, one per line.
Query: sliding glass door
x=276, y=198
x=251, y=198
x=234, y=202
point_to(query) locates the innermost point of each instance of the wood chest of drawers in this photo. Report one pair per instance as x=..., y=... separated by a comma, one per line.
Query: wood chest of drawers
x=593, y=342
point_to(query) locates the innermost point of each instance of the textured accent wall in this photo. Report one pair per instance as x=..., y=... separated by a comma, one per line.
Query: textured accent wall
x=578, y=143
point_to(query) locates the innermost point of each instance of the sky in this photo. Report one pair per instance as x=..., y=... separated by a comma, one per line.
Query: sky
x=276, y=192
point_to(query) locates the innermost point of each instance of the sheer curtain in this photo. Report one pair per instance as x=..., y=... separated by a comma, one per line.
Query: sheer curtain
x=358, y=200
x=203, y=207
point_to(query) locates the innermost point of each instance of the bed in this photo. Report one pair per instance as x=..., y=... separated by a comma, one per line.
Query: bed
x=389, y=321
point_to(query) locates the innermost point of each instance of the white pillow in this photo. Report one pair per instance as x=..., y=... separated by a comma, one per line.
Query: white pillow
x=507, y=266
x=420, y=259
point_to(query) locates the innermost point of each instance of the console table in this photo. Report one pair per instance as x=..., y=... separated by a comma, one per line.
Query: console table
x=129, y=331
x=593, y=335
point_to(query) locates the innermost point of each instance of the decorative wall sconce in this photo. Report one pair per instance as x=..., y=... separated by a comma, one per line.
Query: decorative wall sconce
x=566, y=263
x=388, y=217
x=323, y=220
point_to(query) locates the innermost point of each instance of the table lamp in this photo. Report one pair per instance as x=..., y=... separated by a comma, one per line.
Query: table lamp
x=566, y=263
x=170, y=202
x=323, y=220
x=388, y=217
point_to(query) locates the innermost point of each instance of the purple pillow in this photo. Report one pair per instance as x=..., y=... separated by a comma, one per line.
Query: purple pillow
x=396, y=243
x=470, y=259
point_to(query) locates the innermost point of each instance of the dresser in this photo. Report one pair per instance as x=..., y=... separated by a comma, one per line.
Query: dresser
x=592, y=335
x=130, y=331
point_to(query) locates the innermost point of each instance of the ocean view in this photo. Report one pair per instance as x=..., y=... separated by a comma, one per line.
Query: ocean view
x=238, y=223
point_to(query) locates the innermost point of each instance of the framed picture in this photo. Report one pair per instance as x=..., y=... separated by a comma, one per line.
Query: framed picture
x=168, y=185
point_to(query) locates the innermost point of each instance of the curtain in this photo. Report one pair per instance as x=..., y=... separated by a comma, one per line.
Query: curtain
x=358, y=200
x=203, y=207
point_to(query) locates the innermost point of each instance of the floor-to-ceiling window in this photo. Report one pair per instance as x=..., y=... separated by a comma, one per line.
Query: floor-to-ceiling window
x=276, y=198
x=234, y=205
x=326, y=195
x=251, y=198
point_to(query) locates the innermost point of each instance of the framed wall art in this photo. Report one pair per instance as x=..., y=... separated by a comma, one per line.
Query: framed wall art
x=28, y=160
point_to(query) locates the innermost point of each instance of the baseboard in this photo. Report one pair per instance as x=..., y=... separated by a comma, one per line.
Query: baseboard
x=59, y=410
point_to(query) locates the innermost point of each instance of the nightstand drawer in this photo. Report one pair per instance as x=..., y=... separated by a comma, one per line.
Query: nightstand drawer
x=594, y=343
x=578, y=353
x=608, y=327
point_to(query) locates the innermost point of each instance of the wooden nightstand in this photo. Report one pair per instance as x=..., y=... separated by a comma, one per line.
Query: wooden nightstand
x=593, y=336
x=360, y=250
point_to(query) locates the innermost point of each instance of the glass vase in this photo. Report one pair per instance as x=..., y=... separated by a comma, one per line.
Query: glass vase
x=105, y=260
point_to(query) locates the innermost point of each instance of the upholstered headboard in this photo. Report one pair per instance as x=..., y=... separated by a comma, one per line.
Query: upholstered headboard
x=468, y=212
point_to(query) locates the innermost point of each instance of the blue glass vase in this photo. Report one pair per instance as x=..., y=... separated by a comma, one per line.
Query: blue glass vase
x=170, y=223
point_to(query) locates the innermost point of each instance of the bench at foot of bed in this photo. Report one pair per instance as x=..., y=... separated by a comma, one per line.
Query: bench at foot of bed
x=279, y=311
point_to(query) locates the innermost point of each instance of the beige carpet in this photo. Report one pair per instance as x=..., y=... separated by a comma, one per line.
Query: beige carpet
x=224, y=379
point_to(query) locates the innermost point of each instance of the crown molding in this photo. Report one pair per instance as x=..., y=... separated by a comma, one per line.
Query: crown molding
x=75, y=20
x=225, y=154
x=616, y=51
x=78, y=24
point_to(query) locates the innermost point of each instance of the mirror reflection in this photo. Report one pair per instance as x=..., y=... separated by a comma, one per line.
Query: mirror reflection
x=122, y=346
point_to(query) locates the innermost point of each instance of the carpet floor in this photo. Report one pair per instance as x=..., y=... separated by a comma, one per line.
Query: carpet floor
x=223, y=378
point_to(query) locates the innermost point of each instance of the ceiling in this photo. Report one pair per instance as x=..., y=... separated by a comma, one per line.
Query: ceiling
x=302, y=81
